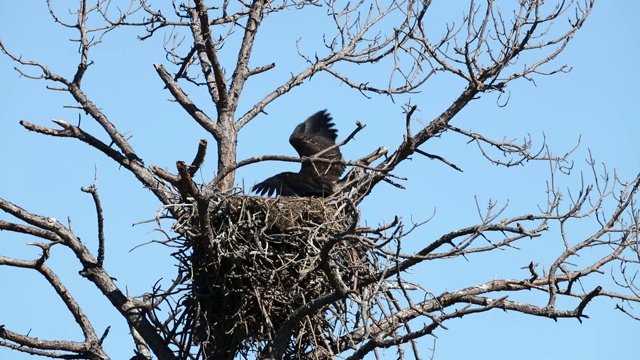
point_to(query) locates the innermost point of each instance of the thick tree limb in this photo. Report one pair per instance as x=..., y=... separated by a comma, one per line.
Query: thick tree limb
x=198, y=115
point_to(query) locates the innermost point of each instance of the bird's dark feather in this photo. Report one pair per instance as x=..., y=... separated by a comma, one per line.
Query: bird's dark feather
x=315, y=178
x=311, y=137
x=292, y=184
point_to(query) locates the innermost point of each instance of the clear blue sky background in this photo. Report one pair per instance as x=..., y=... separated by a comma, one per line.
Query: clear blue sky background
x=596, y=102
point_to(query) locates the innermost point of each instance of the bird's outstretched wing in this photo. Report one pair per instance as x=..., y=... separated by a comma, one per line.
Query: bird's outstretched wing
x=293, y=184
x=316, y=178
x=311, y=137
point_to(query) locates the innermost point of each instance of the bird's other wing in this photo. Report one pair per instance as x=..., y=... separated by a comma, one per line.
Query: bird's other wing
x=278, y=184
x=312, y=136
x=292, y=184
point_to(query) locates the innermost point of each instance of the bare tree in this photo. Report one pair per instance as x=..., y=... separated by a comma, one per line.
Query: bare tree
x=305, y=277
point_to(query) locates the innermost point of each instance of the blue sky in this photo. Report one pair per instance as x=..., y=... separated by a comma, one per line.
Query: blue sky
x=595, y=103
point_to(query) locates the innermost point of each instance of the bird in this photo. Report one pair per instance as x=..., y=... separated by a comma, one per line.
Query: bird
x=315, y=178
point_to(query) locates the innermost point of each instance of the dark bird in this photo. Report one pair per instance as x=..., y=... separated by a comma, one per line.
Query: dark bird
x=315, y=178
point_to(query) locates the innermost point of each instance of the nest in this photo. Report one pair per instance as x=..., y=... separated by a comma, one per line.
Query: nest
x=259, y=260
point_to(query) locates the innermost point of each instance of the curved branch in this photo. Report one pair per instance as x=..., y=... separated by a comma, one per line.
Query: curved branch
x=90, y=345
x=97, y=275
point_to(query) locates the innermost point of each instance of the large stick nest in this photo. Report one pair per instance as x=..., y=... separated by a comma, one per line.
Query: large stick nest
x=258, y=261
